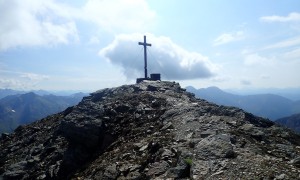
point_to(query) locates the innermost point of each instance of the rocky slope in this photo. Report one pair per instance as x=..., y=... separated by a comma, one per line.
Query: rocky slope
x=151, y=130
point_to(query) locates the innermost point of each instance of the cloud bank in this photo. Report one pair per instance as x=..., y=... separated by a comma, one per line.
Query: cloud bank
x=295, y=41
x=164, y=56
x=50, y=22
x=292, y=17
x=20, y=80
x=34, y=22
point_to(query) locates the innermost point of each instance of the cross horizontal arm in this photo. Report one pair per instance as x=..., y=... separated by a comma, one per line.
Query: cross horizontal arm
x=144, y=44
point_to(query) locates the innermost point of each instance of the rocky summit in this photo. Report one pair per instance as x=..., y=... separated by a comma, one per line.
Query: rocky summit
x=150, y=130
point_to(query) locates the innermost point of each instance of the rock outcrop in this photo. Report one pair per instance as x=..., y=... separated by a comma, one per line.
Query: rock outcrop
x=150, y=130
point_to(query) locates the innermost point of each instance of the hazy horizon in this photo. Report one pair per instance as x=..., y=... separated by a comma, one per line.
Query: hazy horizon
x=290, y=93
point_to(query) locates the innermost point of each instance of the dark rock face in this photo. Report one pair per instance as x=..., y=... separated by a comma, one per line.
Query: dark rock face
x=150, y=130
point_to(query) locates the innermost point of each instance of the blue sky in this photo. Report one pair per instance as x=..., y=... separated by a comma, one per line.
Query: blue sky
x=93, y=44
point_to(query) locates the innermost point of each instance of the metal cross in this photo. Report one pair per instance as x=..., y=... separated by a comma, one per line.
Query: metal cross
x=145, y=44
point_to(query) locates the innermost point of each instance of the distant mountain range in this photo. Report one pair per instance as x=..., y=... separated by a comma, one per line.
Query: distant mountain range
x=292, y=122
x=265, y=105
x=25, y=108
x=8, y=92
x=20, y=107
x=290, y=93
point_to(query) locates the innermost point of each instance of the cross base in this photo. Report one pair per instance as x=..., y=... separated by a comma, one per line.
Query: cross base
x=153, y=77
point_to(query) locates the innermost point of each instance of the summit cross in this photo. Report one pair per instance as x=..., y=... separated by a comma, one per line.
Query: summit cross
x=145, y=44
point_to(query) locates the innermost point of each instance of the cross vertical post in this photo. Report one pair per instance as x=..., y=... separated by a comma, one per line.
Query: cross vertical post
x=145, y=44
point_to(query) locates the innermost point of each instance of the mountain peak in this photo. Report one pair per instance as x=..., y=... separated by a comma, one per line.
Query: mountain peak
x=150, y=130
x=29, y=94
x=213, y=87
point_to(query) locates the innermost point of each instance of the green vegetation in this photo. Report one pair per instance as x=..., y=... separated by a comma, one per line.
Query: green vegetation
x=188, y=161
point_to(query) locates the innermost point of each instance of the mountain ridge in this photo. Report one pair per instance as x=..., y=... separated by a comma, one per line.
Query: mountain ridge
x=25, y=108
x=146, y=131
x=292, y=122
x=265, y=105
x=8, y=92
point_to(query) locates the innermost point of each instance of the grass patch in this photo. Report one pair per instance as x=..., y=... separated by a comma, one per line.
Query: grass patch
x=188, y=161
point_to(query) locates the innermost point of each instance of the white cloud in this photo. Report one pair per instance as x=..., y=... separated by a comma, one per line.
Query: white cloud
x=49, y=22
x=34, y=77
x=9, y=83
x=20, y=80
x=292, y=17
x=294, y=54
x=286, y=43
x=118, y=15
x=164, y=57
x=256, y=59
x=14, y=83
x=228, y=37
x=34, y=22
